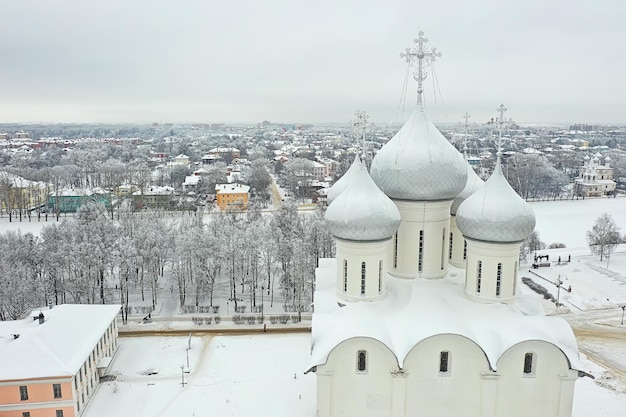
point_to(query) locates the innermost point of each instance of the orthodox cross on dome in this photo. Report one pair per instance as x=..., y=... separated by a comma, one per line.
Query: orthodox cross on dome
x=359, y=126
x=420, y=57
x=500, y=110
x=466, y=116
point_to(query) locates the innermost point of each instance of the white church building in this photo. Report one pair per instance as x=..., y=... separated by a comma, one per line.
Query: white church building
x=420, y=313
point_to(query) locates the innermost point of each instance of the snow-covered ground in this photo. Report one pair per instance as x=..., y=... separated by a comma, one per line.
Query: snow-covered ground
x=229, y=376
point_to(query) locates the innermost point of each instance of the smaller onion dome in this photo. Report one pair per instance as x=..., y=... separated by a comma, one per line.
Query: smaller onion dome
x=341, y=184
x=362, y=212
x=607, y=160
x=495, y=213
x=473, y=183
x=586, y=158
x=419, y=164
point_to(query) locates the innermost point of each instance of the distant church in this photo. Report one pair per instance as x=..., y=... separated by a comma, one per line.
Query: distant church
x=420, y=312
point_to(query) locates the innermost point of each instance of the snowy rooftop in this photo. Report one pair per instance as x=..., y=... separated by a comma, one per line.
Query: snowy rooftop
x=495, y=212
x=231, y=189
x=362, y=211
x=419, y=163
x=56, y=348
x=439, y=306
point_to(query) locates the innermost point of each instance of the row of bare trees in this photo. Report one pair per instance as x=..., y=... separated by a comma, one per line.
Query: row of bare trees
x=228, y=257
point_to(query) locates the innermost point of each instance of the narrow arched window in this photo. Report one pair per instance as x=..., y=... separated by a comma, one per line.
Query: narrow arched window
x=443, y=247
x=444, y=361
x=464, y=249
x=529, y=363
x=498, y=279
x=450, y=246
x=361, y=361
x=395, y=251
x=345, y=275
x=420, y=252
x=362, y=278
x=479, y=276
x=380, y=276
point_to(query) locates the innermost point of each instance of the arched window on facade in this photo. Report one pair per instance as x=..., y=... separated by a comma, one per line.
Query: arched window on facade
x=361, y=361
x=444, y=361
x=479, y=276
x=420, y=252
x=362, y=278
x=395, y=251
x=443, y=247
x=498, y=279
x=345, y=275
x=529, y=363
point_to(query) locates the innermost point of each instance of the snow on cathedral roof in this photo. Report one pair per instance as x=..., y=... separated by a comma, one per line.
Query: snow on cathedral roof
x=495, y=213
x=419, y=163
x=362, y=212
x=56, y=348
x=417, y=309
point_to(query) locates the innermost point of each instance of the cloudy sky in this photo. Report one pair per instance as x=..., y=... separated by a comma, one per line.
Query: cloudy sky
x=309, y=61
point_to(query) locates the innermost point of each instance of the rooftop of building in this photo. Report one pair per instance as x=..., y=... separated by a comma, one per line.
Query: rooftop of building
x=56, y=348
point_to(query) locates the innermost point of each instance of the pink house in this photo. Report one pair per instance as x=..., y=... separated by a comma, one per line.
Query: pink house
x=51, y=362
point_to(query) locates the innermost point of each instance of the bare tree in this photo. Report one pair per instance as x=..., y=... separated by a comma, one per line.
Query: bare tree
x=603, y=236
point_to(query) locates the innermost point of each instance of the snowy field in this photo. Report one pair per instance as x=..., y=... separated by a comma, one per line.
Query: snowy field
x=229, y=376
x=262, y=375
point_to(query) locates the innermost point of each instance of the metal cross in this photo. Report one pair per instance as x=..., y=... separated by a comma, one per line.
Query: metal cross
x=417, y=56
x=466, y=116
x=500, y=110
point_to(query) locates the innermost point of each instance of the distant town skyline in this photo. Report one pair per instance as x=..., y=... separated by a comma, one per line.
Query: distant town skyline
x=144, y=61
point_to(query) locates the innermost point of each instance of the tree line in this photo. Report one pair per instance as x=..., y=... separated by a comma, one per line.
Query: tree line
x=139, y=257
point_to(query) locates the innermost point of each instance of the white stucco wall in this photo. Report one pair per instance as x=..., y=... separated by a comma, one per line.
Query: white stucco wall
x=343, y=391
x=433, y=217
x=547, y=392
x=470, y=388
x=457, y=392
x=355, y=252
x=458, y=243
x=490, y=254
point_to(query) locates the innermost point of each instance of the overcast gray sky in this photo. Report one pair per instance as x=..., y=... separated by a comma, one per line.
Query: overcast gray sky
x=308, y=61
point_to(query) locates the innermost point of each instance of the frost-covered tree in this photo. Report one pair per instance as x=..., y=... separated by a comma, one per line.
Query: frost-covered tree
x=21, y=286
x=604, y=236
x=533, y=176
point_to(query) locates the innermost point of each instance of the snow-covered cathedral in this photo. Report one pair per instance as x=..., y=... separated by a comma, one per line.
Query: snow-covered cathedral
x=420, y=313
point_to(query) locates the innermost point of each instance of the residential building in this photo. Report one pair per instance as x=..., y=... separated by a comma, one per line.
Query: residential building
x=154, y=197
x=51, y=362
x=70, y=200
x=232, y=196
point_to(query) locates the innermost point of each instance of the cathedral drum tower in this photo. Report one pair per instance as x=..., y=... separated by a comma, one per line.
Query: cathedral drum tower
x=422, y=173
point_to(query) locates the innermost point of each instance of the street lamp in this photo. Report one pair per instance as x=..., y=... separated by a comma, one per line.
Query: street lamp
x=262, y=291
x=182, y=375
x=558, y=289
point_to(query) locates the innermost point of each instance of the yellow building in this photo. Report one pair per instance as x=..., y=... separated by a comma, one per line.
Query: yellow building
x=232, y=196
x=17, y=193
x=51, y=362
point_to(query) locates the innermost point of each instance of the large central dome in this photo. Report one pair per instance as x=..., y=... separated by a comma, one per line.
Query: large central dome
x=419, y=164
